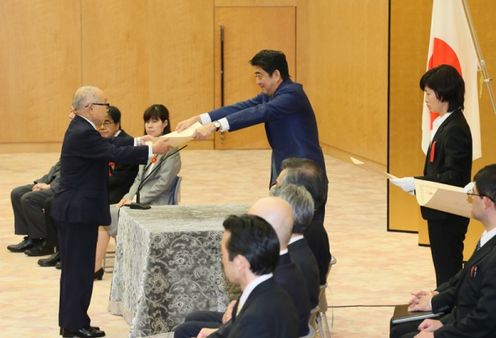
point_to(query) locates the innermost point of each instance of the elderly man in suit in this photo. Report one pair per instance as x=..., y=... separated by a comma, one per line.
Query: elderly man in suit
x=449, y=161
x=81, y=203
x=29, y=219
x=469, y=298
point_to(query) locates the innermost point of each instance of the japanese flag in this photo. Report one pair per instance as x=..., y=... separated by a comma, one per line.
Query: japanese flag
x=451, y=43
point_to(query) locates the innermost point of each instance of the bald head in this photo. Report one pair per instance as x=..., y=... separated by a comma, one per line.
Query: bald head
x=86, y=94
x=278, y=213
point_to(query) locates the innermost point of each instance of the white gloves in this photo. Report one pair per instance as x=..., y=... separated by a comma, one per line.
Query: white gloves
x=469, y=188
x=405, y=183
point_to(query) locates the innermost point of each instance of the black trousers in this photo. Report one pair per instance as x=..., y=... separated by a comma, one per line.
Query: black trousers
x=404, y=330
x=196, y=321
x=27, y=205
x=446, y=237
x=77, y=245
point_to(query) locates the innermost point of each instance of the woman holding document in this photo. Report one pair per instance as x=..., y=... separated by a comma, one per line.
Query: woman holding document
x=154, y=183
x=448, y=161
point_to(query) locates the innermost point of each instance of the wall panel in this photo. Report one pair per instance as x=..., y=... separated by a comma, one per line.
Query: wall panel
x=342, y=50
x=40, y=62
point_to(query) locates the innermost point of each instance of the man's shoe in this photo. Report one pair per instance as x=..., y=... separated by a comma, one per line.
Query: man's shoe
x=41, y=249
x=26, y=243
x=50, y=261
x=58, y=265
x=86, y=332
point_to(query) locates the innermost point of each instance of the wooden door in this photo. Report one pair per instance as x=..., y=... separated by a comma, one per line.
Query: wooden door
x=247, y=30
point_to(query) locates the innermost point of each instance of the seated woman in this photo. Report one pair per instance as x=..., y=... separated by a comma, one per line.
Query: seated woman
x=155, y=180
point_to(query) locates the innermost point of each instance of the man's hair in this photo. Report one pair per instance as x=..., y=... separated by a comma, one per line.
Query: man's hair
x=485, y=181
x=255, y=239
x=115, y=115
x=306, y=173
x=83, y=96
x=301, y=202
x=270, y=60
x=448, y=85
x=159, y=112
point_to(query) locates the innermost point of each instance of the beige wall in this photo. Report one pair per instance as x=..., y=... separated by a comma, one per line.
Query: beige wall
x=342, y=62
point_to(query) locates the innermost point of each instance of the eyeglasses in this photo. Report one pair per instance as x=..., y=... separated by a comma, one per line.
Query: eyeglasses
x=101, y=104
x=471, y=193
x=107, y=123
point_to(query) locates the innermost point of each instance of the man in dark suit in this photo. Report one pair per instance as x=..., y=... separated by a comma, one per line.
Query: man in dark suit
x=250, y=251
x=287, y=275
x=302, y=204
x=121, y=177
x=469, y=298
x=306, y=173
x=449, y=161
x=81, y=203
x=29, y=219
x=282, y=106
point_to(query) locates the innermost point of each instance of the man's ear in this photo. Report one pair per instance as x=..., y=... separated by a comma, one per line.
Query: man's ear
x=241, y=263
x=277, y=74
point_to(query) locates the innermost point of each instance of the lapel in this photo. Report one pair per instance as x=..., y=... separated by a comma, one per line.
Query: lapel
x=260, y=289
x=449, y=120
x=476, y=257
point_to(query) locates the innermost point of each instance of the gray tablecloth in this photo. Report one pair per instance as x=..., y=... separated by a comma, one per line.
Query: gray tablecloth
x=168, y=264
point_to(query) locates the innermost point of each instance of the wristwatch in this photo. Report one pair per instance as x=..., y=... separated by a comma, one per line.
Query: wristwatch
x=216, y=125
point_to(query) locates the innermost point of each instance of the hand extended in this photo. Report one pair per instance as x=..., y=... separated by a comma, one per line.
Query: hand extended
x=161, y=146
x=147, y=138
x=204, y=131
x=405, y=183
x=185, y=124
x=205, y=332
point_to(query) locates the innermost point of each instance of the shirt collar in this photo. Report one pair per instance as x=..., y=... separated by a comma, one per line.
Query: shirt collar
x=250, y=287
x=486, y=236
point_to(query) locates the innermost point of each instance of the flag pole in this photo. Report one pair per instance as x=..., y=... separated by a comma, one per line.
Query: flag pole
x=482, y=63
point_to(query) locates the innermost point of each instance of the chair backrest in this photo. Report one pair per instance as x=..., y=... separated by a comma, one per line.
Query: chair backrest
x=176, y=196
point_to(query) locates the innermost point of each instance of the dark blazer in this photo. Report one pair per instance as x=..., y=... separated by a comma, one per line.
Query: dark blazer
x=449, y=158
x=304, y=259
x=267, y=313
x=471, y=297
x=289, y=120
x=318, y=241
x=52, y=177
x=288, y=276
x=82, y=196
x=122, y=175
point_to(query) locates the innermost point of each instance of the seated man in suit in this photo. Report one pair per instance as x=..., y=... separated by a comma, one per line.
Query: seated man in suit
x=468, y=298
x=278, y=213
x=307, y=173
x=250, y=251
x=29, y=219
x=302, y=204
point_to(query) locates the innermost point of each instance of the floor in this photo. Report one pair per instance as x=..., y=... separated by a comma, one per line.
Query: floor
x=375, y=268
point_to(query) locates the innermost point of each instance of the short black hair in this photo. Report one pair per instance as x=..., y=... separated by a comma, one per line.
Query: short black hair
x=255, y=239
x=448, y=85
x=270, y=60
x=115, y=114
x=306, y=173
x=485, y=181
x=158, y=111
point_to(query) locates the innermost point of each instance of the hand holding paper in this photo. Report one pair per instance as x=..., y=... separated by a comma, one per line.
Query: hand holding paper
x=405, y=183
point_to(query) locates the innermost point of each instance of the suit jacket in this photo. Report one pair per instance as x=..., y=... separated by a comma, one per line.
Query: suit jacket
x=52, y=177
x=122, y=176
x=158, y=186
x=449, y=159
x=289, y=120
x=82, y=196
x=288, y=276
x=267, y=313
x=471, y=298
x=318, y=241
x=303, y=257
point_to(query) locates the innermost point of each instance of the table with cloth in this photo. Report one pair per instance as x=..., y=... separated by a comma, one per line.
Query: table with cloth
x=167, y=264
